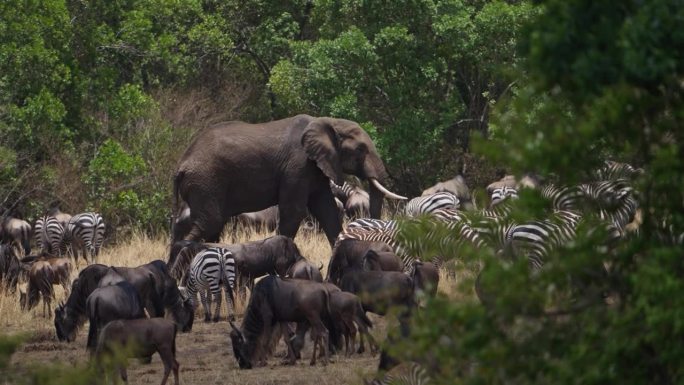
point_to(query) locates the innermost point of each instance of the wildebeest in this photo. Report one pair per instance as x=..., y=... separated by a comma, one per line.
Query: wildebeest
x=350, y=253
x=17, y=233
x=303, y=269
x=348, y=314
x=275, y=301
x=158, y=292
x=10, y=267
x=381, y=291
x=70, y=315
x=425, y=277
x=42, y=274
x=382, y=260
x=118, y=300
x=139, y=338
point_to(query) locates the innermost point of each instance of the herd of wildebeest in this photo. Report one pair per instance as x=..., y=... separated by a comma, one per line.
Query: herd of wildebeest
x=298, y=165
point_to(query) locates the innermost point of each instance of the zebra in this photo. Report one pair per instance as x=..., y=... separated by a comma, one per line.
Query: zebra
x=85, y=231
x=209, y=270
x=355, y=200
x=406, y=373
x=370, y=223
x=48, y=233
x=536, y=239
x=614, y=201
x=427, y=204
x=500, y=194
x=563, y=197
x=612, y=170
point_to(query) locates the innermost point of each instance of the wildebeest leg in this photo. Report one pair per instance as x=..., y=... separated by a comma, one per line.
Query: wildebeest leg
x=319, y=334
x=349, y=336
x=203, y=299
x=170, y=363
x=92, y=335
x=217, y=297
x=122, y=371
x=288, y=337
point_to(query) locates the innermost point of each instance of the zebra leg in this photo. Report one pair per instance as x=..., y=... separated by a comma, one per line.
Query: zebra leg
x=203, y=298
x=217, y=297
x=230, y=302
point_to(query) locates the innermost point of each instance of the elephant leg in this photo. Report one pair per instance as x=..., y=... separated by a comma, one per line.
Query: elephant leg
x=291, y=216
x=322, y=206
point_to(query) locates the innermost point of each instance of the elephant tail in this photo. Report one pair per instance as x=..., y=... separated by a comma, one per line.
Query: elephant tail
x=176, y=193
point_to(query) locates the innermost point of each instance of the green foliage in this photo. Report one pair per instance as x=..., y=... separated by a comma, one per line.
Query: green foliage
x=601, y=82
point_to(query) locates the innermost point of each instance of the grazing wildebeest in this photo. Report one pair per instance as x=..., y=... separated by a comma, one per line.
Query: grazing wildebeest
x=303, y=269
x=351, y=253
x=10, y=268
x=17, y=233
x=42, y=274
x=158, y=291
x=275, y=301
x=380, y=291
x=70, y=315
x=425, y=277
x=348, y=314
x=117, y=300
x=139, y=338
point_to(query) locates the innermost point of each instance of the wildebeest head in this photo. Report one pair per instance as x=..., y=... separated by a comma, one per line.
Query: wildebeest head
x=240, y=347
x=285, y=251
x=184, y=312
x=65, y=324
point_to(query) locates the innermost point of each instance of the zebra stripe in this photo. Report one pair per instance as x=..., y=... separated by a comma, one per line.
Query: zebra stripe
x=406, y=373
x=563, y=197
x=429, y=203
x=209, y=270
x=537, y=239
x=612, y=170
x=48, y=233
x=86, y=230
x=370, y=223
x=614, y=201
x=500, y=194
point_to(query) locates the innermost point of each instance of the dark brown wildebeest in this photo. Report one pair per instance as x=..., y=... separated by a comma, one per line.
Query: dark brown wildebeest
x=17, y=233
x=382, y=261
x=351, y=253
x=42, y=274
x=303, y=269
x=274, y=302
x=380, y=291
x=72, y=314
x=139, y=338
x=117, y=300
x=425, y=277
x=10, y=268
x=159, y=291
x=348, y=314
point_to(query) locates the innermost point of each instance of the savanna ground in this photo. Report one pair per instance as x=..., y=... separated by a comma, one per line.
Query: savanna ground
x=205, y=354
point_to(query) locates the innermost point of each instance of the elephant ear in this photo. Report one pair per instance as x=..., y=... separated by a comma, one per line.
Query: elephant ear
x=321, y=144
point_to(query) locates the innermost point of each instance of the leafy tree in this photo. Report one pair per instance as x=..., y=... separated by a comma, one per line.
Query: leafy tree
x=603, y=81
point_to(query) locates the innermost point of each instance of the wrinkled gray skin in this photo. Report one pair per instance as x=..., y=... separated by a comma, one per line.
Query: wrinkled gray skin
x=236, y=167
x=456, y=186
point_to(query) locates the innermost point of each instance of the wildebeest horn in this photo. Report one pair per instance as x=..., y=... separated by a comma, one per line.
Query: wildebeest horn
x=234, y=327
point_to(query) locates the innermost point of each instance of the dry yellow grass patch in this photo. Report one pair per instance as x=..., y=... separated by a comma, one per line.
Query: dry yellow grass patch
x=205, y=355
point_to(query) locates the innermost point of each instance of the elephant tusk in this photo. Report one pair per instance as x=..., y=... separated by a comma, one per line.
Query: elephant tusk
x=385, y=191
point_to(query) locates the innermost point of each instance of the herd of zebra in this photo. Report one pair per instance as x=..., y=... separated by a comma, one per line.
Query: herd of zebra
x=57, y=234
x=608, y=200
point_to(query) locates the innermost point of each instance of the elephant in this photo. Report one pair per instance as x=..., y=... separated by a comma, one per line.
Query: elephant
x=236, y=167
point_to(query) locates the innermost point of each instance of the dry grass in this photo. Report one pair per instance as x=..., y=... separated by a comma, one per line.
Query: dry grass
x=205, y=355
